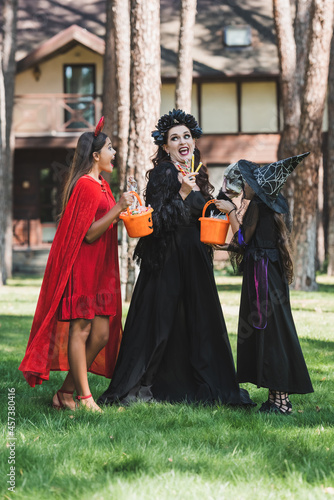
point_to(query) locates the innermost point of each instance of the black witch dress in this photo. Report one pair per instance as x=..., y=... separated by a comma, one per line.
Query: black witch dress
x=268, y=353
x=175, y=345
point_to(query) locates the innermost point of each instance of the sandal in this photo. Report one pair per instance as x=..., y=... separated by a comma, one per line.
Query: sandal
x=61, y=405
x=265, y=407
x=93, y=406
x=282, y=403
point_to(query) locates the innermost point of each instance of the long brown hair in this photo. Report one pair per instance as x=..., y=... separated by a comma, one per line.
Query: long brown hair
x=284, y=247
x=82, y=161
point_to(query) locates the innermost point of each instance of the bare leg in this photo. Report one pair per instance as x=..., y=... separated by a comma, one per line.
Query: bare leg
x=80, y=330
x=96, y=339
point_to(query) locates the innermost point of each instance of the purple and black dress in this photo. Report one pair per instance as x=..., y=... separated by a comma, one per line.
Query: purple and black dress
x=269, y=354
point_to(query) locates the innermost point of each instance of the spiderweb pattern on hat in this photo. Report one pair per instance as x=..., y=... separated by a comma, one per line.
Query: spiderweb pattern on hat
x=273, y=178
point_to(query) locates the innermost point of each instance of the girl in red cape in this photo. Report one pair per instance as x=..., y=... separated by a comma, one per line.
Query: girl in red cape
x=77, y=323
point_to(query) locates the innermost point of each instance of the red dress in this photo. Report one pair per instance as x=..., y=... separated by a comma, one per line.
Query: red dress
x=81, y=280
x=90, y=288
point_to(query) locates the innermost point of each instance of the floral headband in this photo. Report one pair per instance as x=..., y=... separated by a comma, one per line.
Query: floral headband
x=174, y=118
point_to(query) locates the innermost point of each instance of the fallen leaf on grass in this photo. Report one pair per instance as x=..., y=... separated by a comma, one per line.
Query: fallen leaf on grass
x=300, y=411
x=121, y=408
x=170, y=460
x=111, y=437
x=323, y=378
x=318, y=408
x=71, y=416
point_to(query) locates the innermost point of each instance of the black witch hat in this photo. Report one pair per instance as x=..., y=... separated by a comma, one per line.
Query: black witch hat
x=267, y=181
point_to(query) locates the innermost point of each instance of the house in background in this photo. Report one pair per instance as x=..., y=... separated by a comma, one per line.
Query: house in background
x=58, y=94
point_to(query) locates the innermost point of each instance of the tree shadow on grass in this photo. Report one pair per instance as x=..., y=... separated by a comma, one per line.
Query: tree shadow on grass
x=229, y=288
x=326, y=288
x=211, y=443
x=25, y=280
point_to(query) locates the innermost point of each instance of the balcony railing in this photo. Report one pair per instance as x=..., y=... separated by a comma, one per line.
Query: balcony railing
x=55, y=114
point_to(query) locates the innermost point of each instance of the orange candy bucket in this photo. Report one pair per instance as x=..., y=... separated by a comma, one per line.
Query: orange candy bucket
x=213, y=230
x=138, y=225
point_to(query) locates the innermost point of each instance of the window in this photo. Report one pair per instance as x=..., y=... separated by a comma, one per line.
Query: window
x=219, y=108
x=237, y=36
x=80, y=79
x=168, y=99
x=259, y=107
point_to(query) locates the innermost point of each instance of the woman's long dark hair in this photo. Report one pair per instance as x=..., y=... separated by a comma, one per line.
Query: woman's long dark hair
x=82, y=162
x=284, y=247
x=202, y=179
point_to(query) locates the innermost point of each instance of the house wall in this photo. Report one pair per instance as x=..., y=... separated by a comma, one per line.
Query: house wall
x=52, y=73
x=238, y=118
x=221, y=106
x=168, y=98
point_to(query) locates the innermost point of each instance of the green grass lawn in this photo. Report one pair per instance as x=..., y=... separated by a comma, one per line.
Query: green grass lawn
x=164, y=451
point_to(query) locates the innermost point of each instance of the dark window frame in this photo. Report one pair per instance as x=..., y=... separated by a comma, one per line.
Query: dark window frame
x=80, y=65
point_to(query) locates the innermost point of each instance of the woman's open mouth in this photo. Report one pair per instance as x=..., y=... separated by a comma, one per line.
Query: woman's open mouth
x=184, y=151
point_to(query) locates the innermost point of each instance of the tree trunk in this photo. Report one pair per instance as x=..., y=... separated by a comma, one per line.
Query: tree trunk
x=330, y=164
x=7, y=139
x=144, y=92
x=3, y=183
x=320, y=222
x=109, y=78
x=120, y=27
x=309, y=97
x=185, y=61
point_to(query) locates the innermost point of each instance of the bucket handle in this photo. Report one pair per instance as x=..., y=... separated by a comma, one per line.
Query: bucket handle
x=138, y=198
x=206, y=206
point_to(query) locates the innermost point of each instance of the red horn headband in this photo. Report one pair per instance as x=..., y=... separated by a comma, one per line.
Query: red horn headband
x=99, y=127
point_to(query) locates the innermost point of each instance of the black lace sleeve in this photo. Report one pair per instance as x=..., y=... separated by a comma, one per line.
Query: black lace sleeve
x=169, y=210
x=242, y=238
x=162, y=193
x=249, y=221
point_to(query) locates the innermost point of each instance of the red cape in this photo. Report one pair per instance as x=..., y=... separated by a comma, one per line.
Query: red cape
x=47, y=345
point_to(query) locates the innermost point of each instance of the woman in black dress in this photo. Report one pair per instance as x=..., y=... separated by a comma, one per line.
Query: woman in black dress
x=269, y=353
x=175, y=345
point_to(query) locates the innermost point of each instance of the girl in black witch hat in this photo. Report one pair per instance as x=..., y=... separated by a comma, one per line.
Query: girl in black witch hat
x=269, y=353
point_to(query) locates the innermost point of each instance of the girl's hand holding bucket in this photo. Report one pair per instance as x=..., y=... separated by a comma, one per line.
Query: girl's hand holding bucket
x=138, y=222
x=125, y=200
x=224, y=206
x=231, y=210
